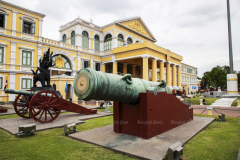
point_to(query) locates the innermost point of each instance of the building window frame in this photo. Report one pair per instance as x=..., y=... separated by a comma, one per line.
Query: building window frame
x=120, y=40
x=129, y=40
x=5, y=14
x=73, y=35
x=108, y=42
x=1, y=83
x=30, y=21
x=97, y=66
x=85, y=39
x=97, y=43
x=25, y=82
x=22, y=80
x=64, y=38
x=28, y=56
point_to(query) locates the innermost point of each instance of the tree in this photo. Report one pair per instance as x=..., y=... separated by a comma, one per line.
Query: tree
x=217, y=77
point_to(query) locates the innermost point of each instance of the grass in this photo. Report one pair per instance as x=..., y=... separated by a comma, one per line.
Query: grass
x=220, y=140
x=195, y=101
x=51, y=144
x=235, y=102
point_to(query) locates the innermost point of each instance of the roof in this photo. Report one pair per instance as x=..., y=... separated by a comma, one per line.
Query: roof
x=21, y=8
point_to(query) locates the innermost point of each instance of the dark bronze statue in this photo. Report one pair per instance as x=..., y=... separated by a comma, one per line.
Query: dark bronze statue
x=44, y=75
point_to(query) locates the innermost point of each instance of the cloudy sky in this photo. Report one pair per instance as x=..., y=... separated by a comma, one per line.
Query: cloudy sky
x=197, y=30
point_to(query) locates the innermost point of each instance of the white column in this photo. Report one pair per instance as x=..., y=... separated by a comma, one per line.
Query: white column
x=13, y=55
x=92, y=63
x=232, y=84
x=101, y=47
x=114, y=42
x=40, y=29
x=14, y=22
x=12, y=85
x=79, y=61
x=39, y=53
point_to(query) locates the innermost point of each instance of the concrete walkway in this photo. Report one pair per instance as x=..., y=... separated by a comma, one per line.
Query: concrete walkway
x=154, y=148
x=223, y=102
x=11, y=125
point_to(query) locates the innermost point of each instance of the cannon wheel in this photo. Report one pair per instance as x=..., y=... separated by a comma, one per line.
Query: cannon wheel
x=21, y=106
x=47, y=106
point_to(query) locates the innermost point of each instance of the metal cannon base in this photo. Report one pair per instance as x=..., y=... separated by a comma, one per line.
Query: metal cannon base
x=152, y=116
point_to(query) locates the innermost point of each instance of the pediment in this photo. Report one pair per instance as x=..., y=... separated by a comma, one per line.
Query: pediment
x=138, y=26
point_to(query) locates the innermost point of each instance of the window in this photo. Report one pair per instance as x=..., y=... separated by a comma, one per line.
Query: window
x=109, y=68
x=85, y=42
x=108, y=42
x=26, y=58
x=1, y=54
x=2, y=20
x=137, y=41
x=26, y=83
x=119, y=68
x=129, y=69
x=1, y=82
x=120, y=40
x=28, y=27
x=96, y=43
x=73, y=38
x=129, y=41
x=86, y=64
x=64, y=39
x=97, y=66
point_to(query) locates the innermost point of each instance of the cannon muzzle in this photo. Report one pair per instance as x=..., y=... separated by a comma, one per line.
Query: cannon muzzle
x=91, y=84
x=27, y=93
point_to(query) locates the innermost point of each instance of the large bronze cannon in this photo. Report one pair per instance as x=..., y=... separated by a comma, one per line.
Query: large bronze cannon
x=90, y=84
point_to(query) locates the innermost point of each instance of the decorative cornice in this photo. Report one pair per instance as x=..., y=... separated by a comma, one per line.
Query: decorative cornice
x=27, y=48
x=21, y=8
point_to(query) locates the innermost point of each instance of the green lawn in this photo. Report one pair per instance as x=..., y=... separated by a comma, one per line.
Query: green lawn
x=235, y=102
x=220, y=140
x=195, y=101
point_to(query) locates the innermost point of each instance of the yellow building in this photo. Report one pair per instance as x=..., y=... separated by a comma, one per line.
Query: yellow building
x=124, y=46
x=189, y=78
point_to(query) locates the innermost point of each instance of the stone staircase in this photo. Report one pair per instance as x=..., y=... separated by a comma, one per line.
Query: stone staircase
x=223, y=102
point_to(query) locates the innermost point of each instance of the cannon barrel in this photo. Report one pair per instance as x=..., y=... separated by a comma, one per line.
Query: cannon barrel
x=91, y=84
x=27, y=93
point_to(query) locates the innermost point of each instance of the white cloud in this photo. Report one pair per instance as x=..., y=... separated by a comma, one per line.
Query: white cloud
x=197, y=30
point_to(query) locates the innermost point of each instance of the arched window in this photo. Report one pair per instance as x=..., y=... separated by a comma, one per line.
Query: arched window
x=64, y=38
x=108, y=42
x=61, y=62
x=96, y=43
x=120, y=40
x=73, y=38
x=85, y=42
x=129, y=41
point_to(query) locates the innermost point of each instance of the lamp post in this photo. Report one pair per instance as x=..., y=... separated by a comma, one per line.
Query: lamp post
x=229, y=38
x=232, y=79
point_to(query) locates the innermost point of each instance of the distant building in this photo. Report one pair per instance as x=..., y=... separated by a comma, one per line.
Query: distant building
x=121, y=47
x=189, y=78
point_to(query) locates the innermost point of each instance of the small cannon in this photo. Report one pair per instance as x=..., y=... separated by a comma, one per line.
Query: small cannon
x=43, y=106
x=90, y=84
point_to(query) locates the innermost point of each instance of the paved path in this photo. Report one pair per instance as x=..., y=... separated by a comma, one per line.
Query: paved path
x=223, y=102
x=153, y=148
x=11, y=125
x=228, y=111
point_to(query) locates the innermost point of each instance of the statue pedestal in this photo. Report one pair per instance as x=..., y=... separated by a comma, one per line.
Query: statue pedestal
x=232, y=84
x=152, y=116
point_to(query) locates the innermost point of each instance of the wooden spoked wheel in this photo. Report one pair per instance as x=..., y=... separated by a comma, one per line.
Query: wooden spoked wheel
x=47, y=106
x=21, y=106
